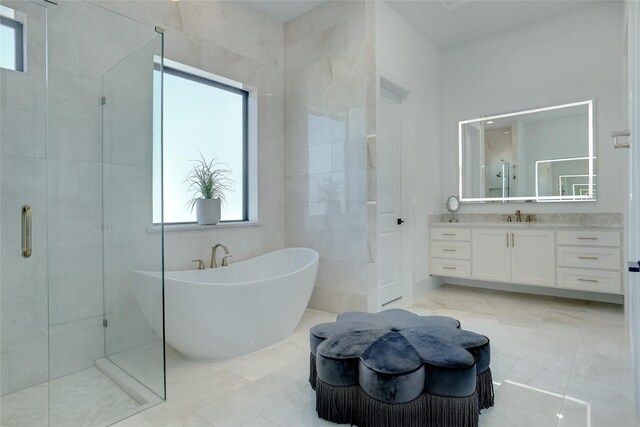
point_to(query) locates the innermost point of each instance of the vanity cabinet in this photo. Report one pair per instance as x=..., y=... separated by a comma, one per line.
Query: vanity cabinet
x=583, y=259
x=451, y=252
x=589, y=260
x=513, y=255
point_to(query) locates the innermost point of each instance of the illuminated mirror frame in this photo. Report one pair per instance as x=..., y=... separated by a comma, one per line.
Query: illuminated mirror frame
x=590, y=157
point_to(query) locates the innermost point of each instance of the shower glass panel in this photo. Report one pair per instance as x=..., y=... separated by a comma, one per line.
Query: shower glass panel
x=24, y=332
x=132, y=106
x=100, y=138
x=75, y=147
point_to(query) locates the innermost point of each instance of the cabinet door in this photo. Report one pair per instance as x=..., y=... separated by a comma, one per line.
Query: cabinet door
x=490, y=255
x=533, y=258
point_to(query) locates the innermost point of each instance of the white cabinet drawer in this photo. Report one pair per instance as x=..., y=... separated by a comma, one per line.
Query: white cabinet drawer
x=590, y=257
x=450, y=267
x=589, y=280
x=456, y=234
x=455, y=250
x=589, y=238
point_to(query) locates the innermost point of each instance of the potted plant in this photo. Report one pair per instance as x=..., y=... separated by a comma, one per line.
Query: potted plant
x=208, y=181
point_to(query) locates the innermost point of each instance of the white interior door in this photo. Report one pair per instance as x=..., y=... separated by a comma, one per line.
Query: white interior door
x=389, y=143
x=633, y=233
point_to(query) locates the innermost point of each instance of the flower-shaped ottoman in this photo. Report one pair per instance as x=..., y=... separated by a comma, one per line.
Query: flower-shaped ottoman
x=395, y=368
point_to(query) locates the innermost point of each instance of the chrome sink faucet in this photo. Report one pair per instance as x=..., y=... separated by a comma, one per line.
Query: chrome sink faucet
x=200, y=263
x=227, y=254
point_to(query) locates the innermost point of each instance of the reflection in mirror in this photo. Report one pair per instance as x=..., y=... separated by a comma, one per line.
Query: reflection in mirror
x=563, y=177
x=544, y=154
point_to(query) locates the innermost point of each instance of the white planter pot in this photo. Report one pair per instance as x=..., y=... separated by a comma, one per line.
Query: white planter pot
x=208, y=211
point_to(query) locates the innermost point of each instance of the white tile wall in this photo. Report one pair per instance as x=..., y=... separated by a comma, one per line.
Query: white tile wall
x=325, y=152
x=213, y=36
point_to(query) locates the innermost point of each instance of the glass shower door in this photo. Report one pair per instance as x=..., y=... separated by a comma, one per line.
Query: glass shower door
x=131, y=141
x=24, y=356
x=75, y=215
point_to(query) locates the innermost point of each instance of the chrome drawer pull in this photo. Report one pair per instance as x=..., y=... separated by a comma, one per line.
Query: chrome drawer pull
x=587, y=238
x=449, y=268
x=448, y=234
x=588, y=257
x=587, y=280
x=448, y=250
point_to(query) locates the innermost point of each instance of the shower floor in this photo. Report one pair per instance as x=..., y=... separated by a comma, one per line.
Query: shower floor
x=85, y=398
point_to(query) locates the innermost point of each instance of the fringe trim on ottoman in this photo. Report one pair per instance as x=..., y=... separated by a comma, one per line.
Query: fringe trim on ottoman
x=374, y=413
x=452, y=411
x=484, y=389
x=351, y=405
x=337, y=404
x=313, y=372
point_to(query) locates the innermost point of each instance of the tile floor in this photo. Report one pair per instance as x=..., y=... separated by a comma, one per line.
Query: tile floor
x=85, y=398
x=555, y=361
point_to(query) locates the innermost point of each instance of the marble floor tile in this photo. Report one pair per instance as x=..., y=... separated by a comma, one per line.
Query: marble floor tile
x=85, y=398
x=518, y=405
x=556, y=362
x=260, y=422
x=574, y=414
x=191, y=420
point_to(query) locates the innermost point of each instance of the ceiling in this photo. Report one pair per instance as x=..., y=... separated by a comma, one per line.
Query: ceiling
x=448, y=23
x=284, y=10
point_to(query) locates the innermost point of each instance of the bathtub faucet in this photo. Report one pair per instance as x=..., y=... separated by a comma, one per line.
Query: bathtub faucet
x=227, y=254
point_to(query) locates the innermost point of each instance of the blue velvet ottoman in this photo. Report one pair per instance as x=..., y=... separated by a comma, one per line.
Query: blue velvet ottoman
x=395, y=368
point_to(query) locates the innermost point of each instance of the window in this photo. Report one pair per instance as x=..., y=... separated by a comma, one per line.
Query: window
x=201, y=116
x=11, y=39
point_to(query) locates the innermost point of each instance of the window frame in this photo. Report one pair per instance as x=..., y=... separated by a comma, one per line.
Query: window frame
x=19, y=28
x=175, y=71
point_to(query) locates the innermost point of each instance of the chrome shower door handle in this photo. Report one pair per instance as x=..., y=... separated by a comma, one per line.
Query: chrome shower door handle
x=26, y=231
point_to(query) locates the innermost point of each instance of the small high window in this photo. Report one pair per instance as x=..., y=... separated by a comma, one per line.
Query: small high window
x=11, y=39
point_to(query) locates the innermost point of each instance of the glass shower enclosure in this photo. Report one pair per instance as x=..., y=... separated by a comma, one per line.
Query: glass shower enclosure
x=78, y=124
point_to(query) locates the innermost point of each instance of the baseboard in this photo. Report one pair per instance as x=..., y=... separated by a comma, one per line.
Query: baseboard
x=427, y=284
x=538, y=290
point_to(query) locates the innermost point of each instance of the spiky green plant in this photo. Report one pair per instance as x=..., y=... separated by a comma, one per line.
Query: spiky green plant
x=208, y=180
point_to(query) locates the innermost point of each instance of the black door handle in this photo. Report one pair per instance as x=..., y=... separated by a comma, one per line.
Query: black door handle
x=400, y=221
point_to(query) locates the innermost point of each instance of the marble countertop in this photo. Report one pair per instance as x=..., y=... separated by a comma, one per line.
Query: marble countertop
x=543, y=220
x=505, y=224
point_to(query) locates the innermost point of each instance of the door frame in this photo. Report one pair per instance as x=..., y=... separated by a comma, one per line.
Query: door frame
x=405, y=275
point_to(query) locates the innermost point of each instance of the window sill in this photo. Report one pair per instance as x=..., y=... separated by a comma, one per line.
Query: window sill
x=195, y=226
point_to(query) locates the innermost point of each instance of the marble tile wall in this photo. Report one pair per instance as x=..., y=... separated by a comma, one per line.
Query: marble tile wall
x=325, y=122
x=207, y=35
x=372, y=171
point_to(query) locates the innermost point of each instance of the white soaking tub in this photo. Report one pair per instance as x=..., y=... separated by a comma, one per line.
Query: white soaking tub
x=225, y=312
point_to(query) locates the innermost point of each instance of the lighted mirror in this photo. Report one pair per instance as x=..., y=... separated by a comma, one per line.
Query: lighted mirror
x=544, y=154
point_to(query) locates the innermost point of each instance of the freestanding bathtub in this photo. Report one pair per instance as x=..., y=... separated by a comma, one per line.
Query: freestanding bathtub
x=220, y=313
